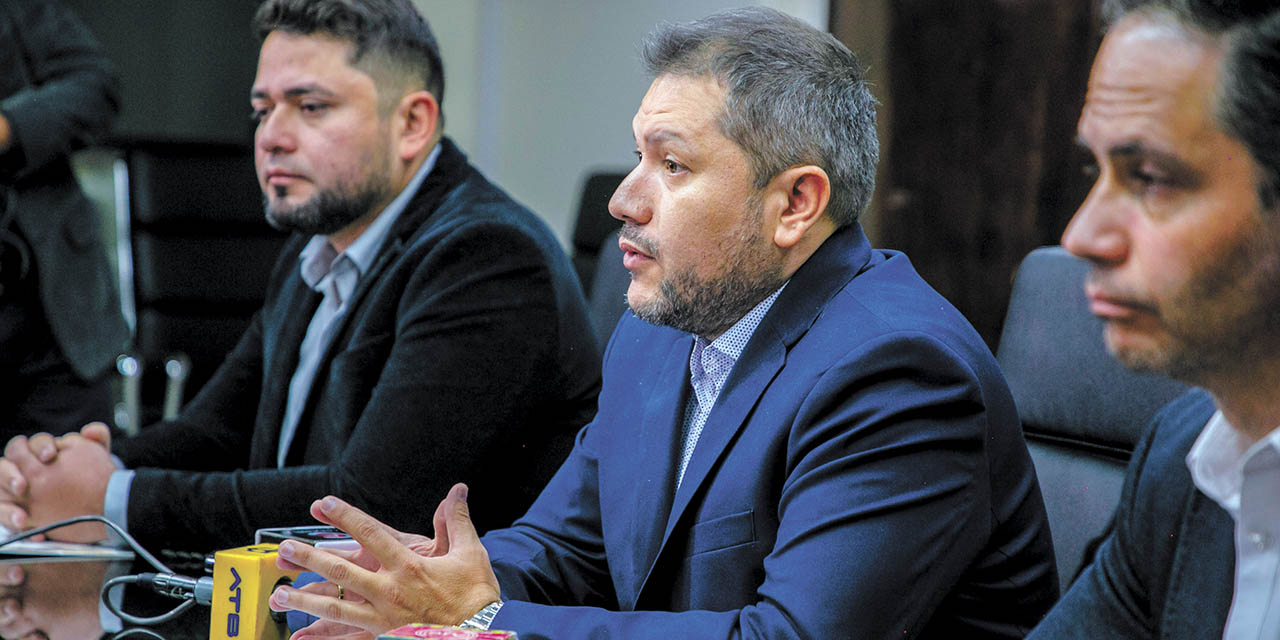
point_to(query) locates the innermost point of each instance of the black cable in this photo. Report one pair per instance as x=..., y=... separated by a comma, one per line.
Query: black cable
x=137, y=631
x=133, y=544
x=132, y=619
x=120, y=580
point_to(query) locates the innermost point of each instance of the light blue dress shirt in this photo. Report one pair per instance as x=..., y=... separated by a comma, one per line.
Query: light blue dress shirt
x=709, y=365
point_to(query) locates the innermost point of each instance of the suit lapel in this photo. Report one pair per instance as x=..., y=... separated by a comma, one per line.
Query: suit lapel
x=450, y=170
x=283, y=326
x=827, y=271
x=659, y=435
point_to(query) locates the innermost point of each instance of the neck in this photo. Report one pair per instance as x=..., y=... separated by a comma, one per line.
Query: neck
x=1249, y=401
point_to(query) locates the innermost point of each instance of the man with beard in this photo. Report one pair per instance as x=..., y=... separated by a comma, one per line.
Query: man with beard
x=797, y=437
x=420, y=326
x=1182, y=231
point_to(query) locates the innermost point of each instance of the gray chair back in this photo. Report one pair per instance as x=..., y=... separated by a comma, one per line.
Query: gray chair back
x=1081, y=411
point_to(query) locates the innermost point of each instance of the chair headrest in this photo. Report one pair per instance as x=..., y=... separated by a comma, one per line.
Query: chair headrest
x=1064, y=382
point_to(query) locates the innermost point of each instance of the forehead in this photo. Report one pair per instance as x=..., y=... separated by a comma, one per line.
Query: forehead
x=686, y=107
x=288, y=58
x=1152, y=80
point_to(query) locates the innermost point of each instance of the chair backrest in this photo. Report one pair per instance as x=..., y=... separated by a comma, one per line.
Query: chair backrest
x=607, y=299
x=1081, y=411
x=593, y=223
x=196, y=252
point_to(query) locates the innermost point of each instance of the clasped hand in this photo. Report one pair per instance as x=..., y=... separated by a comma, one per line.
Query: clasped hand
x=44, y=479
x=394, y=578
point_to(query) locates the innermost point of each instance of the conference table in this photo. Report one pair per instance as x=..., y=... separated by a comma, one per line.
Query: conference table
x=60, y=598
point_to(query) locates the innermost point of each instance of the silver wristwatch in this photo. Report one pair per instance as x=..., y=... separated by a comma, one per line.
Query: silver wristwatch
x=483, y=618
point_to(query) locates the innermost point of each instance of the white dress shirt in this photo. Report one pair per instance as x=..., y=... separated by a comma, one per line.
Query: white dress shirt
x=1244, y=478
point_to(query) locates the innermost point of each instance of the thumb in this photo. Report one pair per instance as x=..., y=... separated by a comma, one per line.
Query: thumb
x=97, y=432
x=462, y=533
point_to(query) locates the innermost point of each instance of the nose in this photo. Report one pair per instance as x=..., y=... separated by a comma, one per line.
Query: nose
x=1098, y=232
x=627, y=203
x=275, y=133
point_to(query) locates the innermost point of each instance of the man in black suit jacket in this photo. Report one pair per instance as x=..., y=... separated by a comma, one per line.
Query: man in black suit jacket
x=421, y=327
x=60, y=322
x=1183, y=233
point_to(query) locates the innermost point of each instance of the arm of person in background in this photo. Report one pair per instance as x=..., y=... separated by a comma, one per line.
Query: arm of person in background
x=71, y=93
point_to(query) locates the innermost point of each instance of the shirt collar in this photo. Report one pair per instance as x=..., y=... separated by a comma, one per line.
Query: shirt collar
x=318, y=257
x=1218, y=459
x=732, y=342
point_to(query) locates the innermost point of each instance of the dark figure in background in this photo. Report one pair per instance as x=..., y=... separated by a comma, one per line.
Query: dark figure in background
x=60, y=322
x=419, y=327
x=1182, y=229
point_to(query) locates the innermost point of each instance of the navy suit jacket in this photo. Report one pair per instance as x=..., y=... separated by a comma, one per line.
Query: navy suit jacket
x=1167, y=569
x=465, y=354
x=862, y=475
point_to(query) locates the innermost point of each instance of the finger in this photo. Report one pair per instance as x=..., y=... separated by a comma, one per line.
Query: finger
x=328, y=565
x=12, y=482
x=440, y=524
x=13, y=516
x=98, y=432
x=330, y=608
x=19, y=452
x=43, y=447
x=379, y=539
x=350, y=555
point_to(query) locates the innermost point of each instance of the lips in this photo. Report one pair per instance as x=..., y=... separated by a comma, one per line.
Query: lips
x=281, y=177
x=1110, y=306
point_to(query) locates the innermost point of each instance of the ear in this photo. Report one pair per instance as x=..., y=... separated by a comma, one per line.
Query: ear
x=806, y=191
x=418, y=118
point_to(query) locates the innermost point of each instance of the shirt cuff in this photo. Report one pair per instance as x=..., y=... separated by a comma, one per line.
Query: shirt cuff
x=115, y=506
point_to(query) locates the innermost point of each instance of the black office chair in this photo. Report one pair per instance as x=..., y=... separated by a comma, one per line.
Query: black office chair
x=194, y=254
x=1081, y=411
x=593, y=223
x=607, y=298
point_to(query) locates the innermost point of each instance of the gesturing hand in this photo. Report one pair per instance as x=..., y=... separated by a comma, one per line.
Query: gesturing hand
x=395, y=578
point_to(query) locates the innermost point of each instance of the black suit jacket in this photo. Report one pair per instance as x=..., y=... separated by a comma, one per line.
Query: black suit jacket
x=1167, y=569
x=58, y=93
x=465, y=355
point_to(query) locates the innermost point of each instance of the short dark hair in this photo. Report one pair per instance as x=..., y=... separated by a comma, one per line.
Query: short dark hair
x=793, y=95
x=388, y=32
x=1248, y=97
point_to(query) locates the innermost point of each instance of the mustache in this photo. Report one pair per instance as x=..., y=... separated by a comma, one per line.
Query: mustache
x=632, y=234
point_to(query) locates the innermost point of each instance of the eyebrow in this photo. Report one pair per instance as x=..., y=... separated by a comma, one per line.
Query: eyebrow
x=662, y=135
x=294, y=92
x=1136, y=149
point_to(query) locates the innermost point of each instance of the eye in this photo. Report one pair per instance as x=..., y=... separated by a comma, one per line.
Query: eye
x=639, y=156
x=256, y=115
x=312, y=107
x=672, y=166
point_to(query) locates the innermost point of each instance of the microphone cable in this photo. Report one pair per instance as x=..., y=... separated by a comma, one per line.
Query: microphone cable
x=165, y=581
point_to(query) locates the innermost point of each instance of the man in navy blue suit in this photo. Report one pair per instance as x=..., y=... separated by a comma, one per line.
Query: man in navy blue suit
x=796, y=438
x=1182, y=231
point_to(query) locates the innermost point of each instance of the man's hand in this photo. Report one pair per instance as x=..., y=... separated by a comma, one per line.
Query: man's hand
x=395, y=578
x=43, y=480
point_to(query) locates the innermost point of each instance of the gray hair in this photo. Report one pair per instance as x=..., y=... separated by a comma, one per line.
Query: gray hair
x=794, y=96
x=1248, y=97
